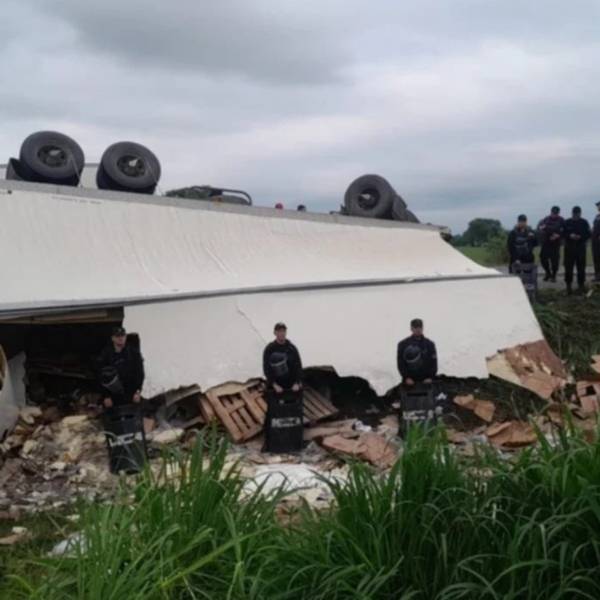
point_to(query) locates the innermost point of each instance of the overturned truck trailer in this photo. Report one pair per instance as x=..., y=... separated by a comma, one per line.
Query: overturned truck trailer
x=204, y=283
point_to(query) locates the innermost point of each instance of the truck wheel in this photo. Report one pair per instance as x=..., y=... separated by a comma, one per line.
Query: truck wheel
x=399, y=209
x=51, y=157
x=103, y=182
x=128, y=167
x=369, y=196
x=411, y=217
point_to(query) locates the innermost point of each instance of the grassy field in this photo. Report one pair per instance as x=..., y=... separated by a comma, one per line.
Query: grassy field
x=436, y=527
x=479, y=255
x=476, y=253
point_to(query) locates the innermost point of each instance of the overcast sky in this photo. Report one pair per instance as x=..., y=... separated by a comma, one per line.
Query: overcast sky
x=469, y=108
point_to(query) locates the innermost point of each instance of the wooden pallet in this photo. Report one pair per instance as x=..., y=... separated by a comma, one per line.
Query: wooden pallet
x=241, y=408
x=316, y=407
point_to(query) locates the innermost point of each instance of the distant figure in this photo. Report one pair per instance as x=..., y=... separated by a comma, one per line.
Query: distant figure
x=416, y=356
x=301, y=208
x=121, y=371
x=521, y=241
x=551, y=230
x=596, y=244
x=282, y=365
x=279, y=205
x=576, y=233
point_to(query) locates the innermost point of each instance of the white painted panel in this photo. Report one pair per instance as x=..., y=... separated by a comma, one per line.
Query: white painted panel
x=355, y=330
x=71, y=250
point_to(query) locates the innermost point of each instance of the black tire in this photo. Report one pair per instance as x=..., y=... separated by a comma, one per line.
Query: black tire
x=103, y=182
x=369, y=196
x=399, y=209
x=411, y=217
x=128, y=167
x=51, y=157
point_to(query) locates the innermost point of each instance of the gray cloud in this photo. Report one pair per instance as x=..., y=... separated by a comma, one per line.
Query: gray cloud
x=470, y=108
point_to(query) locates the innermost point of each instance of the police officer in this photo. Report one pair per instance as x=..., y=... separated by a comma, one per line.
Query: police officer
x=550, y=231
x=521, y=241
x=576, y=233
x=596, y=244
x=416, y=356
x=120, y=371
x=282, y=365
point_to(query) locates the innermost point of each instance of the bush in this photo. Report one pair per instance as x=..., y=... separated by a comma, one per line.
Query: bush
x=496, y=250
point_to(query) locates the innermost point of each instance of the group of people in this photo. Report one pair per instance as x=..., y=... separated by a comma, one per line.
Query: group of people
x=416, y=358
x=553, y=232
x=120, y=366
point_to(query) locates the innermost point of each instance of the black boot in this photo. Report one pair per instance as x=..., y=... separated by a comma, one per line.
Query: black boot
x=547, y=277
x=569, y=289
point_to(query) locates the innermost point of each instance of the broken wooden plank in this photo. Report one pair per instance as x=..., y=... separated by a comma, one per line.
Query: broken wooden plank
x=207, y=410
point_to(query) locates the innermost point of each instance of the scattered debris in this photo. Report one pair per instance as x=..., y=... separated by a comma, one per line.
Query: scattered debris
x=588, y=393
x=533, y=366
x=484, y=409
x=511, y=434
x=67, y=546
x=329, y=429
x=456, y=437
x=29, y=414
x=303, y=479
x=18, y=534
x=369, y=446
x=166, y=436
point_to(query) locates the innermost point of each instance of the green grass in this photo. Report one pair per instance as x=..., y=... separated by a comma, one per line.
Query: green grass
x=435, y=527
x=480, y=255
x=476, y=253
x=571, y=324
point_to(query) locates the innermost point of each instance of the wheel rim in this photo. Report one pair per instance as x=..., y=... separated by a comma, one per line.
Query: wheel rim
x=52, y=156
x=132, y=166
x=368, y=198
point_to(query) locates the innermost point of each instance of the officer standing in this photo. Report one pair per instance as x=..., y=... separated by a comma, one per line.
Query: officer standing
x=416, y=356
x=576, y=233
x=120, y=371
x=521, y=241
x=551, y=229
x=596, y=244
x=282, y=365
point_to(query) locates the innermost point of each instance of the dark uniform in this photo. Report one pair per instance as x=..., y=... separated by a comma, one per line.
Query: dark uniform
x=282, y=364
x=521, y=241
x=417, y=358
x=549, y=228
x=575, y=250
x=596, y=247
x=128, y=367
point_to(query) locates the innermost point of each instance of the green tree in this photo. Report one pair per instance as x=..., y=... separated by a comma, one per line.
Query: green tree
x=481, y=231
